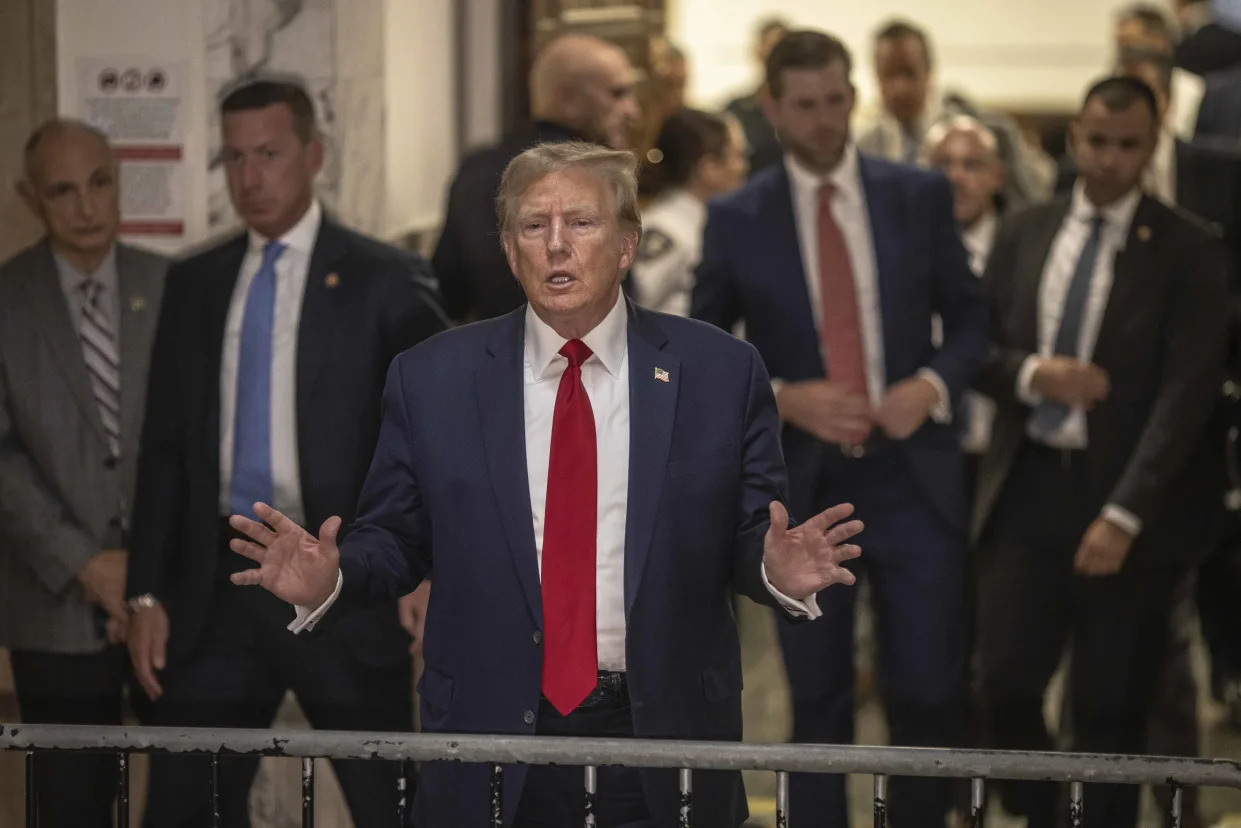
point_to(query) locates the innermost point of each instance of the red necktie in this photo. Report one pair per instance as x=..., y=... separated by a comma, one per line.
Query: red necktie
x=570, y=660
x=841, y=328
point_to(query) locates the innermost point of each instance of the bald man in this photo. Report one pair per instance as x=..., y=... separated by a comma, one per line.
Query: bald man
x=581, y=88
x=77, y=317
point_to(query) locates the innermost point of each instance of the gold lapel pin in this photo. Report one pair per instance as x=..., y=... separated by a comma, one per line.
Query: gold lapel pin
x=332, y=280
x=1144, y=233
x=137, y=303
x=661, y=375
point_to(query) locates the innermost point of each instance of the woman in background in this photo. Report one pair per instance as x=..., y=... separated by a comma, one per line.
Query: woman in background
x=696, y=157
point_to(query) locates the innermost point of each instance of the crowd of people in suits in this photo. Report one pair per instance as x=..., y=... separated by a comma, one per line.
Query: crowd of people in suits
x=1019, y=371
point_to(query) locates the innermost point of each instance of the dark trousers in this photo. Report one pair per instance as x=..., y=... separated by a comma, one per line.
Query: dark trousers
x=1033, y=605
x=915, y=565
x=554, y=795
x=1219, y=584
x=76, y=790
x=238, y=676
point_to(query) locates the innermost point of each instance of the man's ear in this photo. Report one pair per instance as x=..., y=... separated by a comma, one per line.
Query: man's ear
x=629, y=248
x=510, y=251
x=26, y=192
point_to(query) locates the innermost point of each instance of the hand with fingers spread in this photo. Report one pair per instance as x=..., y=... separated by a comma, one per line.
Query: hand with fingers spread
x=294, y=565
x=806, y=559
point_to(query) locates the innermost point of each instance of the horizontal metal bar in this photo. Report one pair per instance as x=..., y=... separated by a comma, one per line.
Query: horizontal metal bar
x=544, y=750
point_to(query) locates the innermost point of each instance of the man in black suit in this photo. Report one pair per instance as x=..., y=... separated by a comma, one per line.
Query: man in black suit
x=1207, y=46
x=266, y=346
x=581, y=88
x=1110, y=317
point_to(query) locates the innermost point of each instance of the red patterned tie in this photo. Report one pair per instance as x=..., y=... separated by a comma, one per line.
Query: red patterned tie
x=841, y=329
x=570, y=660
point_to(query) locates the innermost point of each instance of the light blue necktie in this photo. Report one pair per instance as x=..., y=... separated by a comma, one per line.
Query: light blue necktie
x=1050, y=415
x=252, y=425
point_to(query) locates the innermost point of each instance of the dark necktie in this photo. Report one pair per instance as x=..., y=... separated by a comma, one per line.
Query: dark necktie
x=570, y=658
x=1050, y=415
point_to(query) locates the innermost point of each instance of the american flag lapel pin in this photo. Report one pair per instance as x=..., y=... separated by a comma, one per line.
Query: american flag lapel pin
x=661, y=375
x=1144, y=233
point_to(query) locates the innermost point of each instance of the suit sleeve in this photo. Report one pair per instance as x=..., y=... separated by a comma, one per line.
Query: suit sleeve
x=1193, y=364
x=763, y=479
x=38, y=527
x=715, y=298
x=998, y=378
x=387, y=551
x=958, y=298
x=158, y=497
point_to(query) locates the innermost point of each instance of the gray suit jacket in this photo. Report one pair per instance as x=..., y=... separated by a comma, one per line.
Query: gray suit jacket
x=58, y=488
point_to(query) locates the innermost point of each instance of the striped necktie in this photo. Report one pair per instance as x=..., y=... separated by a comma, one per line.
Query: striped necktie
x=102, y=362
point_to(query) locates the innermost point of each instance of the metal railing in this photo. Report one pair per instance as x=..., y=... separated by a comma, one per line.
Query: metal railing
x=979, y=766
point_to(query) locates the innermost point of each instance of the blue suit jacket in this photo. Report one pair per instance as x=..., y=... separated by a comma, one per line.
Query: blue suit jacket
x=751, y=271
x=449, y=484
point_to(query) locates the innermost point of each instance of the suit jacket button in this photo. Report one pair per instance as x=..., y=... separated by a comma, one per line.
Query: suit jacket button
x=537, y=637
x=110, y=463
x=528, y=717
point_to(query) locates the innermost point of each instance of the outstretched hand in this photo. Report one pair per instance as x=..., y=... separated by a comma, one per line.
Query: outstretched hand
x=294, y=565
x=807, y=558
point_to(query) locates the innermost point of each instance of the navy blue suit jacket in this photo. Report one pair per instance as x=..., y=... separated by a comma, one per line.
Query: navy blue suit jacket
x=448, y=486
x=752, y=271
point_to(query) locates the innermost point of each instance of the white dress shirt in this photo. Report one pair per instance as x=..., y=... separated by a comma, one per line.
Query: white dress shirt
x=1066, y=249
x=978, y=240
x=852, y=216
x=605, y=375
x=291, y=271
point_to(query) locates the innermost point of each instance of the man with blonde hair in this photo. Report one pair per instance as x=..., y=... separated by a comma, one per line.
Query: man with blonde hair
x=588, y=510
x=581, y=88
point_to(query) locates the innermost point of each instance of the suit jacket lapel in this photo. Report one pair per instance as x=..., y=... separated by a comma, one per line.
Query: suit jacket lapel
x=500, y=384
x=48, y=301
x=317, y=329
x=137, y=314
x=883, y=209
x=652, y=412
x=786, y=267
x=219, y=286
x=1127, y=277
x=1029, y=276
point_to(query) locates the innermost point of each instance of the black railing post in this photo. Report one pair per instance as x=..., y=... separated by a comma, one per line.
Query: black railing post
x=497, y=796
x=215, y=790
x=591, y=782
x=881, y=800
x=686, y=817
x=1176, y=807
x=32, y=793
x=122, y=791
x=782, y=799
x=308, y=792
x=402, y=791
x=978, y=802
x=1077, y=805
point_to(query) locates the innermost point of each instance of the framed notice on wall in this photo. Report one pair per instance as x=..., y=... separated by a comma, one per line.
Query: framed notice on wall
x=138, y=102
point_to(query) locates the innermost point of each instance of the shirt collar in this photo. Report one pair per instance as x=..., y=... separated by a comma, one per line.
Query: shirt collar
x=846, y=176
x=1117, y=216
x=607, y=341
x=300, y=237
x=105, y=275
x=977, y=239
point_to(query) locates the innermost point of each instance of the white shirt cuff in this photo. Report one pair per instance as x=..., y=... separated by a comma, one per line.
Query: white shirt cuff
x=306, y=618
x=1025, y=381
x=1123, y=519
x=941, y=412
x=802, y=609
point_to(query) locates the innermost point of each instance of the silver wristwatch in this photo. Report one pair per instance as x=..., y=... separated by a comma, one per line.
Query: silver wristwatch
x=142, y=602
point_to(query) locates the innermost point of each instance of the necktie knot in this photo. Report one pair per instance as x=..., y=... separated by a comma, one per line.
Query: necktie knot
x=271, y=252
x=576, y=351
x=1096, y=222
x=90, y=288
x=827, y=191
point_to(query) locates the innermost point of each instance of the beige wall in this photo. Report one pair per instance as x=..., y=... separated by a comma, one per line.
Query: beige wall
x=27, y=96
